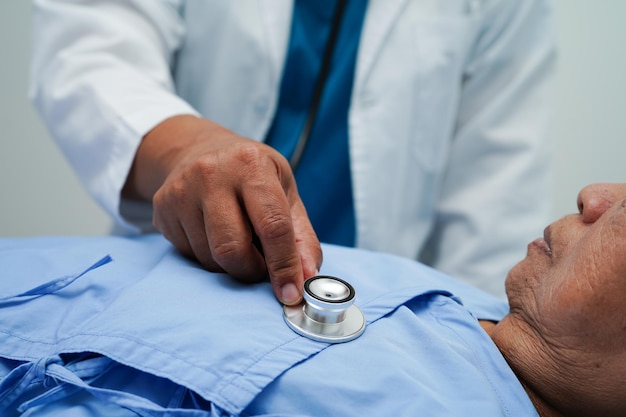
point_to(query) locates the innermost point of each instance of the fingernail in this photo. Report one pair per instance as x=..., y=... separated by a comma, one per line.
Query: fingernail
x=289, y=294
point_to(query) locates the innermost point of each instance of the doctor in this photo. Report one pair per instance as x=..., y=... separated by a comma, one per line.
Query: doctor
x=412, y=127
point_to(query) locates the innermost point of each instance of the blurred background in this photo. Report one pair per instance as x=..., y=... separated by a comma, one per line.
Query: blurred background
x=41, y=196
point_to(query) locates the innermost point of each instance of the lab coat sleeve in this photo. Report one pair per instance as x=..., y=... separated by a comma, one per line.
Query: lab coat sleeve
x=101, y=79
x=494, y=197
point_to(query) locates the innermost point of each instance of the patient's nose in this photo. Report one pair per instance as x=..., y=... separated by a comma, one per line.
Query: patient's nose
x=594, y=200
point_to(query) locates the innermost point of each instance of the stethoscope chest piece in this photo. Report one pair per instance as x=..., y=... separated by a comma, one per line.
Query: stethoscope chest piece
x=328, y=313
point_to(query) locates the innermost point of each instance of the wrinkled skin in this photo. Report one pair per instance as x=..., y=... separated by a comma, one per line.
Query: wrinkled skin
x=565, y=336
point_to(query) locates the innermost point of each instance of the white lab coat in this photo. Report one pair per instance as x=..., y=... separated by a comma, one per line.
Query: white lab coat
x=447, y=121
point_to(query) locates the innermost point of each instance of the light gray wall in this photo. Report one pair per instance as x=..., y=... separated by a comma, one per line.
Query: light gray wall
x=589, y=125
x=41, y=196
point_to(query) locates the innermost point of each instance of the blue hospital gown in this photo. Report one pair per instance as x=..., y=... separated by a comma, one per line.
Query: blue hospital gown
x=117, y=326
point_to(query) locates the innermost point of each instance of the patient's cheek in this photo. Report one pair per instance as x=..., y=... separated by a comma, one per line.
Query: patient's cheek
x=617, y=222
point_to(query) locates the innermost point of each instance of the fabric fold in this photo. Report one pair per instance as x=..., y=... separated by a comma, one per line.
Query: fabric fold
x=153, y=314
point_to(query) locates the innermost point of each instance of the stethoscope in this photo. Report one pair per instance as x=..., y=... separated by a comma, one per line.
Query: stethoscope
x=328, y=313
x=303, y=138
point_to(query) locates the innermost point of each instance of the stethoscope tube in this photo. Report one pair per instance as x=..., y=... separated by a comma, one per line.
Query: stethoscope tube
x=303, y=138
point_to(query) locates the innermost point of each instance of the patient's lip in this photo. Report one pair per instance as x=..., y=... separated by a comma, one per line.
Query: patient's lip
x=542, y=245
x=547, y=237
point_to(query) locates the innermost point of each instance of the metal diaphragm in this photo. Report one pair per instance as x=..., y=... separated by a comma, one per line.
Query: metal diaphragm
x=328, y=313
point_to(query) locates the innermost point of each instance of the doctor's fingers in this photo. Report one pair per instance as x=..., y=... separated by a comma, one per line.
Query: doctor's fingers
x=219, y=238
x=230, y=238
x=194, y=246
x=307, y=243
x=269, y=201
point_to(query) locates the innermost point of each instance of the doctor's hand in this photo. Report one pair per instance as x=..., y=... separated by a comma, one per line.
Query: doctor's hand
x=228, y=201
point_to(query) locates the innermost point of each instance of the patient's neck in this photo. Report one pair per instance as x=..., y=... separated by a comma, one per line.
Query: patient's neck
x=487, y=325
x=511, y=342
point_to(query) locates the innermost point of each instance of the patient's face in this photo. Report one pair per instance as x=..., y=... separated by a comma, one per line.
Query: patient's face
x=571, y=287
x=573, y=281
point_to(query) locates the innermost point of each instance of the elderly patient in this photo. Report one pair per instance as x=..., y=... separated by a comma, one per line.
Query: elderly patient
x=146, y=332
x=565, y=335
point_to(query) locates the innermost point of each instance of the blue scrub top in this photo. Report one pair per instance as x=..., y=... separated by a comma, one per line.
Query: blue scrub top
x=323, y=175
x=118, y=327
